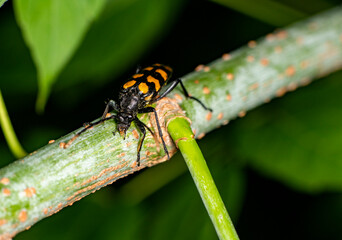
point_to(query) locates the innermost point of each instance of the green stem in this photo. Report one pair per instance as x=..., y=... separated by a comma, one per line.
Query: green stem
x=181, y=133
x=8, y=131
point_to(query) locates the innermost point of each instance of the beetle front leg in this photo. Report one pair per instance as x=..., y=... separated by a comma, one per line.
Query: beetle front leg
x=111, y=104
x=141, y=127
x=151, y=109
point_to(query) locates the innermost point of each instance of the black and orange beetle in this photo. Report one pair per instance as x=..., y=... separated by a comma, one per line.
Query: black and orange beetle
x=135, y=96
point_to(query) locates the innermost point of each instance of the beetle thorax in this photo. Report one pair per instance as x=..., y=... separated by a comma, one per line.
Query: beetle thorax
x=129, y=103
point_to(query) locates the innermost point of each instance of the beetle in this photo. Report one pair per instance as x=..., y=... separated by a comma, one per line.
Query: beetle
x=136, y=96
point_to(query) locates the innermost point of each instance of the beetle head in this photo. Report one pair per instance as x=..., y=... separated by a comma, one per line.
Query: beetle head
x=123, y=123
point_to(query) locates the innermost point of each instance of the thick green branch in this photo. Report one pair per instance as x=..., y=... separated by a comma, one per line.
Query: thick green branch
x=52, y=177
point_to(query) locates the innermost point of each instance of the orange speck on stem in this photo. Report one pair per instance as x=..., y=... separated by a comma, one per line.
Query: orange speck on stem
x=22, y=216
x=4, y=180
x=128, y=144
x=299, y=40
x=254, y=86
x=135, y=134
x=196, y=81
x=229, y=97
x=108, y=115
x=206, y=69
x=178, y=97
x=281, y=92
x=3, y=221
x=242, y=114
x=6, y=191
x=281, y=34
x=270, y=36
x=304, y=64
x=45, y=211
x=278, y=49
x=200, y=136
x=29, y=192
x=230, y=76
x=134, y=164
x=264, y=61
x=220, y=116
x=292, y=86
x=206, y=90
x=290, y=71
x=226, y=56
x=305, y=81
x=208, y=116
x=252, y=44
x=62, y=145
x=199, y=68
x=250, y=58
x=51, y=141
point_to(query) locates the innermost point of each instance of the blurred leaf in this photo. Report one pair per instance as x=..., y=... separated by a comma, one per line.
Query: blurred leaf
x=181, y=214
x=125, y=31
x=99, y=216
x=121, y=34
x=271, y=12
x=53, y=29
x=297, y=139
x=2, y=2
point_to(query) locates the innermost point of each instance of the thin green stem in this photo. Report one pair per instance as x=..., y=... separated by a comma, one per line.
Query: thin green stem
x=181, y=133
x=8, y=131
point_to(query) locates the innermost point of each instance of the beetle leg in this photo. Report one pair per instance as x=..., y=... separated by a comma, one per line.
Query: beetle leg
x=89, y=125
x=111, y=104
x=141, y=127
x=172, y=86
x=151, y=109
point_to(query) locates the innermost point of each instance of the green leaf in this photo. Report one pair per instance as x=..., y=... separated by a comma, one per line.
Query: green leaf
x=53, y=30
x=270, y=12
x=2, y=2
x=297, y=139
